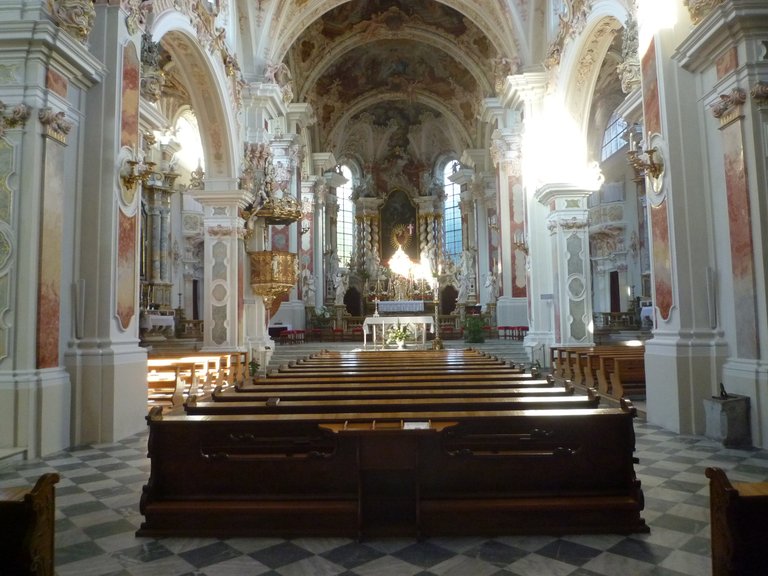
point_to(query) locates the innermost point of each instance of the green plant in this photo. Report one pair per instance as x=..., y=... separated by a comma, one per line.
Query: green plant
x=473, y=329
x=398, y=333
x=253, y=367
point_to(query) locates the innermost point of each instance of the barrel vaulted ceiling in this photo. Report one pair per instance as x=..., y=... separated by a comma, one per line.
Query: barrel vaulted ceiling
x=398, y=80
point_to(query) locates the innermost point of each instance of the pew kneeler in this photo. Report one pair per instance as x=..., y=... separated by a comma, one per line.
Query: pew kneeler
x=738, y=524
x=27, y=526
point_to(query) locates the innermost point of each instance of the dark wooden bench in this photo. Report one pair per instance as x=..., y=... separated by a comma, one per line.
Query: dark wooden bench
x=27, y=516
x=288, y=393
x=341, y=384
x=422, y=474
x=738, y=512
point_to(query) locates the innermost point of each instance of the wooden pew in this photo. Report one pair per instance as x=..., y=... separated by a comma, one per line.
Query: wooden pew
x=393, y=406
x=422, y=474
x=607, y=366
x=628, y=377
x=738, y=526
x=351, y=393
x=591, y=360
x=27, y=518
x=390, y=376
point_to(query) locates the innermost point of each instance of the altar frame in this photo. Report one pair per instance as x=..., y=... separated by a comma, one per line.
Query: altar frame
x=371, y=323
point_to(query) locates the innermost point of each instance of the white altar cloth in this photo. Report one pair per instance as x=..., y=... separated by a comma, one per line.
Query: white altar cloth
x=371, y=323
x=389, y=306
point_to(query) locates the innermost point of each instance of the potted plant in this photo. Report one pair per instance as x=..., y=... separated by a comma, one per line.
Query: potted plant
x=473, y=329
x=398, y=334
x=253, y=369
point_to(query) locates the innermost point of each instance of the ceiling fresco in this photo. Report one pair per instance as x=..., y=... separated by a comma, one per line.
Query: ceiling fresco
x=399, y=63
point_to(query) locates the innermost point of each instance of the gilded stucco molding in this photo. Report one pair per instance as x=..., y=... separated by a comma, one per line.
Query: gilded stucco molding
x=699, y=9
x=75, y=17
x=56, y=124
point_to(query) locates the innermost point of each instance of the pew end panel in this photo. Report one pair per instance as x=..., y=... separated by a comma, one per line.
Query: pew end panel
x=738, y=525
x=27, y=518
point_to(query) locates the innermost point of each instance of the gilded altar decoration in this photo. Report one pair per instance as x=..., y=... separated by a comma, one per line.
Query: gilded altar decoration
x=75, y=17
x=273, y=272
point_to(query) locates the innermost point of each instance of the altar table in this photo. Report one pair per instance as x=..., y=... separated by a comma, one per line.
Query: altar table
x=371, y=323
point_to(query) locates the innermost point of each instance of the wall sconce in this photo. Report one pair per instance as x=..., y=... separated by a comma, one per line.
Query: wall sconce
x=304, y=228
x=646, y=163
x=520, y=242
x=135, y=171
x=493, y=223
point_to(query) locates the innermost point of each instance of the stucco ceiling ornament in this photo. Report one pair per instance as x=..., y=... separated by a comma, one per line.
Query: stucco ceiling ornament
x=75, y=17
x=573, y=19
x=137, y=14
x=152, y=76
x=629, y=69
x=699, y=9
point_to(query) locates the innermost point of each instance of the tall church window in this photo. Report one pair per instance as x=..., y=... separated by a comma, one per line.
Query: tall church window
x=452, y=213
x=345, y=222
x=613, y=137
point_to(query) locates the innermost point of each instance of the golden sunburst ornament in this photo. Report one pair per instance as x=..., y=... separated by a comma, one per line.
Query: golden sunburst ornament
x=402, y=235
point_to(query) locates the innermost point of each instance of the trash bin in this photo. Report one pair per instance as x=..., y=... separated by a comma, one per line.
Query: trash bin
x=728, y=420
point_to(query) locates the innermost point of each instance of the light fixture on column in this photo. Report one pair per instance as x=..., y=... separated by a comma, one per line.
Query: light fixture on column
x=646, y=162
x=135, y=171
x=493, y=222
x=520, y=243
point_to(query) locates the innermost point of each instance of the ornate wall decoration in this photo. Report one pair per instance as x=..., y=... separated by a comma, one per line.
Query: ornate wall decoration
x=629, y=69
x=16, y=117
x=729, y=105
x=759, y=93
x=699, y=9
x=573, y=19
x=56, y=124
x=75, y=17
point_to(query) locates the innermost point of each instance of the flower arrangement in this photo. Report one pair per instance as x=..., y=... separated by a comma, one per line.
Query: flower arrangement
x=322, y=315
x=398, y=333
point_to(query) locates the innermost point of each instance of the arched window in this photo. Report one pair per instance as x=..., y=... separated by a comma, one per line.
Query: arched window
x=345, y=222
x=613, y=137
x=452, y=213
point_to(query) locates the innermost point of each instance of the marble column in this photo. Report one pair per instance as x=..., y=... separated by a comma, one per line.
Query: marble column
x=567, y=223
x=224, y=275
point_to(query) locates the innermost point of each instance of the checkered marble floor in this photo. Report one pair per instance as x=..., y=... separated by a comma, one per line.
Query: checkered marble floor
x=97, y=515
